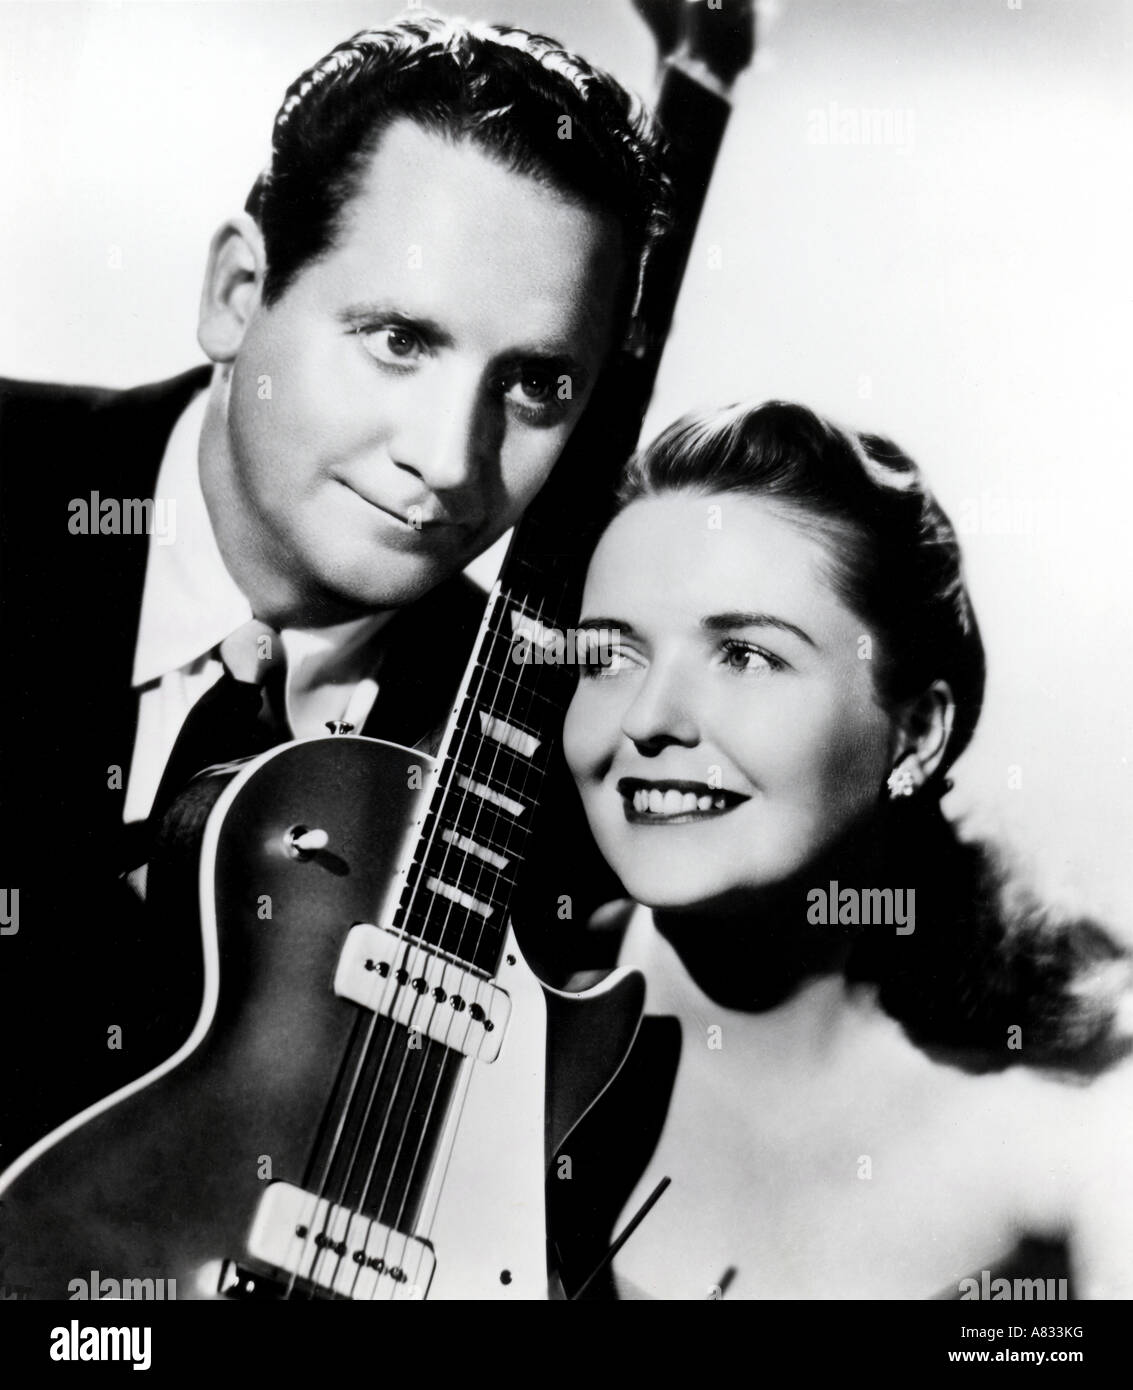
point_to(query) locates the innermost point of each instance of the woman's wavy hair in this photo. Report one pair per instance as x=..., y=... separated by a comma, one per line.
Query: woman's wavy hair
x=984, y=959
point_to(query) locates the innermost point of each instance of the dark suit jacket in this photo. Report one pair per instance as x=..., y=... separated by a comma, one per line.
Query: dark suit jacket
x=85, y=957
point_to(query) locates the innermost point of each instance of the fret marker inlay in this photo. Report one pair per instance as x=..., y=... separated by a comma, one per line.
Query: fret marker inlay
x=489, y=856
x=487, y=793
x=446, y=890
x=516, y=739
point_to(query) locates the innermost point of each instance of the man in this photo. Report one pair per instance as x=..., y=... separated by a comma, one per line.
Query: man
x=405, y=325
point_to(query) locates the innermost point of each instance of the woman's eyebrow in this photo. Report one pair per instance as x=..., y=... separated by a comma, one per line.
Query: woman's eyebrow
x=725, y=622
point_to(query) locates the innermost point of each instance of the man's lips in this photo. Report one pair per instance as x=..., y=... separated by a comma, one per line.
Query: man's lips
x=674, y=801
x=419, y=523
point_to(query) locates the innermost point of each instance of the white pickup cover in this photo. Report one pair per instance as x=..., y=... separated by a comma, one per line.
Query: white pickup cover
x=435, y=996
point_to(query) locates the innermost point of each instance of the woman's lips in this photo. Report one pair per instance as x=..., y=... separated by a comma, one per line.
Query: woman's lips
x=674, y=801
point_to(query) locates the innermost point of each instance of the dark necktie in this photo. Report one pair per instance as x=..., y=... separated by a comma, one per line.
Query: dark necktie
x=233, y=718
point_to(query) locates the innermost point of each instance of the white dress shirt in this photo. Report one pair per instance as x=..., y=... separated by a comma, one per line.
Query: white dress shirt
x=190, y=603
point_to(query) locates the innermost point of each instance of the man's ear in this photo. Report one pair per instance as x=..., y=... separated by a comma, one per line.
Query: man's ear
x=924, y=729
x=233, y=281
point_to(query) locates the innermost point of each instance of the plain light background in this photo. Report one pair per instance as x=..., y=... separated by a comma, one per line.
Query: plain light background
x=963, y=287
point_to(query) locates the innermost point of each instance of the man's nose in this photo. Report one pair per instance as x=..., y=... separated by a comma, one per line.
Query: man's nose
x=446, y=435
x=661, y=713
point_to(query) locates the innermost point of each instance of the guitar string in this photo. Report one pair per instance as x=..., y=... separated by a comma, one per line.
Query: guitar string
x=499, y=635
x=535, y=767
x=517, y=688
x=408, y=965
x=473, y=704
x=378, y=1009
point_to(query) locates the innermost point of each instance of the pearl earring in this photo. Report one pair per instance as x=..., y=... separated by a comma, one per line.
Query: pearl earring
x=902, y=782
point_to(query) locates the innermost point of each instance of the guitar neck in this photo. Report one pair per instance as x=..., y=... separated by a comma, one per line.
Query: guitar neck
x=490, y=769
x=497, y=746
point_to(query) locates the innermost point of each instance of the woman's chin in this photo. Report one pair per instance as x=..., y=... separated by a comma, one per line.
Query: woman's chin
x=689, y=893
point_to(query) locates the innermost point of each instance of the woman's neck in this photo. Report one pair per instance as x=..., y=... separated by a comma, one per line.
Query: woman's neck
x=764, y=957
x=757, y=957
x=794, y=1035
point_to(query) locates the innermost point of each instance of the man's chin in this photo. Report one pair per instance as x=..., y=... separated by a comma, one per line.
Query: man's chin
x=388, y=583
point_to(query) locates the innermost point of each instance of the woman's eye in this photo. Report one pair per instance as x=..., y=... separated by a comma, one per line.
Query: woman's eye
x=598, y=656
x=392, y=345
x=742, y=656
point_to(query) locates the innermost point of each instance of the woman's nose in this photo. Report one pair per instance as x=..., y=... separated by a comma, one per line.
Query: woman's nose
x=661, y=712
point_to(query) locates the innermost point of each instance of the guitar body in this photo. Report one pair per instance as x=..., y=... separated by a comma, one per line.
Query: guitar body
x=164, y=1179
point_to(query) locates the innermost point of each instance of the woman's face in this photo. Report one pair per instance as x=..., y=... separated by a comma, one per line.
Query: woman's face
x=736, y=734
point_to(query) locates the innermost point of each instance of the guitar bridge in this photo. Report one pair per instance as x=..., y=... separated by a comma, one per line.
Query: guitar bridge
x=433, y=995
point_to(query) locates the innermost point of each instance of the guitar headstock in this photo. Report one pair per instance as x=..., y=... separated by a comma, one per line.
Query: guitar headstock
x=719, y=35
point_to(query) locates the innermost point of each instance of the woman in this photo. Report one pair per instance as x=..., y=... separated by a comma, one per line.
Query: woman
x=862, y=1072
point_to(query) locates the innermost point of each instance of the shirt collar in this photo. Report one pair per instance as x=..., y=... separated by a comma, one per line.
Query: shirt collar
x=190, y=602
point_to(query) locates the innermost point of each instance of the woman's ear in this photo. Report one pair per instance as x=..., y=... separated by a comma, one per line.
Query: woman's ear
x=233, y=281
x=924, y=730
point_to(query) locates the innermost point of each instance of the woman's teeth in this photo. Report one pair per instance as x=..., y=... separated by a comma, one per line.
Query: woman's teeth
x=673, y=803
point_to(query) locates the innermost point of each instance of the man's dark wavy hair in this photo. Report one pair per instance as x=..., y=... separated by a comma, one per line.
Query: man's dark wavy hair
x=520, y=97
x=984, y=958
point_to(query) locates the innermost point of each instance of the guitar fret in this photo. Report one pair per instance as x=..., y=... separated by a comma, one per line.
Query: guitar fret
x=465, y=871
x=456, y=895
x=480, y=823
x=458, y=883
x=498, y=765
x=467, y=937
x=508, y=706
x=470, y=846
x=472, y=874
x=486, y=793
x=509, y=735
x=511, y=687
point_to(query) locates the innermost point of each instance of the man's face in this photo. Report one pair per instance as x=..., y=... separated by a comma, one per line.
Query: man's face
x=424, y=375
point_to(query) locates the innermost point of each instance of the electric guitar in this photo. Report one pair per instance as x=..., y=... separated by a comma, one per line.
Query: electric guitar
x=359, y=1110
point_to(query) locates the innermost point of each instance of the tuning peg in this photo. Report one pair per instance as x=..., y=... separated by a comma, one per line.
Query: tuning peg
x=666, y=19
x=722, y=36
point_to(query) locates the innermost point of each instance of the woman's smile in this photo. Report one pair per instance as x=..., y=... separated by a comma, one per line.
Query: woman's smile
x=674, y=802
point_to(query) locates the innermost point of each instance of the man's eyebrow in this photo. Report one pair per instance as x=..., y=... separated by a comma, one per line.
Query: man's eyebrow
x=375, y=315
x=380, y=315
x=725, y=622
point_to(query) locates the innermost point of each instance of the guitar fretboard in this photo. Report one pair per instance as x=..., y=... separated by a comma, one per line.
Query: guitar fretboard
x=490, y=768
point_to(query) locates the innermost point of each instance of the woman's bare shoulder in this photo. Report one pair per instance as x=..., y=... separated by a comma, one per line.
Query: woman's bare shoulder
x=1071, y=1141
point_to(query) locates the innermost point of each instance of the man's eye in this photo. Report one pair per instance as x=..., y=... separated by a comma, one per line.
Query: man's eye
x=393, y=345
x=534, y=386
x=532, y=392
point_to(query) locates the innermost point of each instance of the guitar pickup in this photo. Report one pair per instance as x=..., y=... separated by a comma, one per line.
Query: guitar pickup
x=338, y=1249
x=400, y=978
